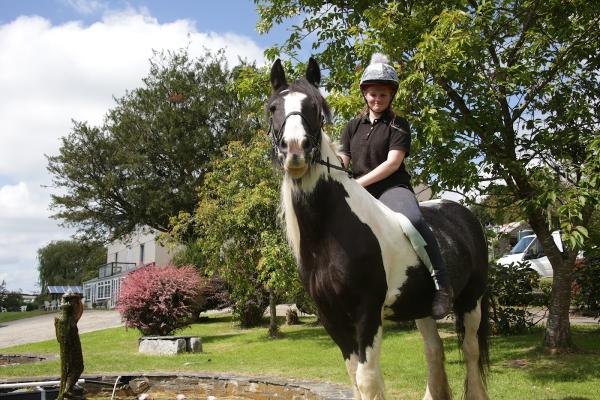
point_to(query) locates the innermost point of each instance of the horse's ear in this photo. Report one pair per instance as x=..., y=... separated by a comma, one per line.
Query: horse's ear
x=278, y=80
x=313, y=72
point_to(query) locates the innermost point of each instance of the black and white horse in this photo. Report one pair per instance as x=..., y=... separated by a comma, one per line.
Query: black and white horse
x=355, y=259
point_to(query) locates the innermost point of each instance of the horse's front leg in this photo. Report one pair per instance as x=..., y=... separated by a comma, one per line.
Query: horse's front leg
x=369, y=332
x=351, y=365
x=342, y=331
x=437, y=381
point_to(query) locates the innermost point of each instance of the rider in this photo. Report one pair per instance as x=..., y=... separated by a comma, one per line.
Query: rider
x=377, y=142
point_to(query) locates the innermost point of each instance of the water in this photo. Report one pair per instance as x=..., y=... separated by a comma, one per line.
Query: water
x=200, y=388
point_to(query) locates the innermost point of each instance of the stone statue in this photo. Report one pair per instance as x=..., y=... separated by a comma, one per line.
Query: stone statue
x=71, y=357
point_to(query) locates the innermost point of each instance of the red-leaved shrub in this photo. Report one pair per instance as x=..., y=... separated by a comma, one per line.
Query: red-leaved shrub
x=160, y=300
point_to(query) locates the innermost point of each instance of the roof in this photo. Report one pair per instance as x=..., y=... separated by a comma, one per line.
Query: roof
x=64, y=289
x=511, y=227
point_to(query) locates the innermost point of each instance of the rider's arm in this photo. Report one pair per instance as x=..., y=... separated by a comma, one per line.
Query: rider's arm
x=383, y=170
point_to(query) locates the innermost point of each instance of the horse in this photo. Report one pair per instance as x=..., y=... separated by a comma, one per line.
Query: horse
x=354, y=256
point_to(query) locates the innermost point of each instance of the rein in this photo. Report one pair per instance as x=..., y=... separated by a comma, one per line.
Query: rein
x=328, y=165
x=277, y=138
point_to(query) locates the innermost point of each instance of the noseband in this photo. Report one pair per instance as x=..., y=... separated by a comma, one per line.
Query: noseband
x=314, y=140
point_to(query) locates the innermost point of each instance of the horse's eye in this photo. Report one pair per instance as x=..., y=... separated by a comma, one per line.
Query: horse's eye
x=272, y=108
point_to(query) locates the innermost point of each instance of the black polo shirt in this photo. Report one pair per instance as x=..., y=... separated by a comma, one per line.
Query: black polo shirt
x=367, y=144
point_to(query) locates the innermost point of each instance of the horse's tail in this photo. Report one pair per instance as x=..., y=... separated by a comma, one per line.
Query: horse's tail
x=483, y=334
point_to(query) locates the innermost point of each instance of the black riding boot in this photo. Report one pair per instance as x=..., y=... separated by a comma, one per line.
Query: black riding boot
x=443, y=296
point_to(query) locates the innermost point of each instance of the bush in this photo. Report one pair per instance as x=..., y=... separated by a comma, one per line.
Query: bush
x=249, y=310
x=291, y=317
x=12, y=301
x=215, y=294
x=304, y=303
x=160, y=300
x=511, y=289
x=543, y=292
x=586, y=285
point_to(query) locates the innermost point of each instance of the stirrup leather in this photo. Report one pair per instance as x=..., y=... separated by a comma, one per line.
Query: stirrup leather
x=418, y=243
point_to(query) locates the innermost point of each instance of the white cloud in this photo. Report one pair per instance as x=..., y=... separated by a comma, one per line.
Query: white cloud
x=20, y=201
x=52, y=74
x=86, y=7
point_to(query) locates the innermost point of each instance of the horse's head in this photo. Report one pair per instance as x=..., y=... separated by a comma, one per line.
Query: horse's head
x=296, y=113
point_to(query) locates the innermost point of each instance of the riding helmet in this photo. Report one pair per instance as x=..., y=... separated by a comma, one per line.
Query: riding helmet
x=379, y=71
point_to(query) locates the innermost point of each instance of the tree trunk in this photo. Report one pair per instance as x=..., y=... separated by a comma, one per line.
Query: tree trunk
x=71, y=356
x=273, y=327
x=558, y=328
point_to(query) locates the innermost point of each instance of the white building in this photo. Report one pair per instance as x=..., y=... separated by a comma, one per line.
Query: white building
x=139, y=249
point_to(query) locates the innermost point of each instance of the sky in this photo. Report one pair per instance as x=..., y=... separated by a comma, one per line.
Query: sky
x=65, y=60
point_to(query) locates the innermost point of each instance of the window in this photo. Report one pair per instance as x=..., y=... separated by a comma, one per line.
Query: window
x=522, y=245
x=142, y=253
x=103, y=290
x=536, y=250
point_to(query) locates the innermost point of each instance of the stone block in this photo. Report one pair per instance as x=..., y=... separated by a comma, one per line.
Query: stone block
x=194, y=345
x=162, y=346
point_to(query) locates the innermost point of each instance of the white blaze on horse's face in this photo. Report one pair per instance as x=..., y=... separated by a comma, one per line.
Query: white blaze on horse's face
x=294, y=136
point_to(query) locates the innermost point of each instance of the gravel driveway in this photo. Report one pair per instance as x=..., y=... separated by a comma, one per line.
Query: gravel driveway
x=41, y=327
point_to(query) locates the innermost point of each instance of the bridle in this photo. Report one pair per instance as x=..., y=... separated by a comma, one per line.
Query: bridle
x=314, y=141
x=314, y=138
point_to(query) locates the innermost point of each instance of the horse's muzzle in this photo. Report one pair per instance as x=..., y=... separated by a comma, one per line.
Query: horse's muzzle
x=294, y=159
x=295, y=165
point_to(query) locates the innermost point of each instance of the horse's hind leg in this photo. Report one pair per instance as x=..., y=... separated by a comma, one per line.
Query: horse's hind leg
x=437, y=381
x=474, y=387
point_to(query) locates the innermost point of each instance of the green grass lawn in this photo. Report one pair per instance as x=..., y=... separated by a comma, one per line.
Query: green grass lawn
x=15, y=315
x=520, y=369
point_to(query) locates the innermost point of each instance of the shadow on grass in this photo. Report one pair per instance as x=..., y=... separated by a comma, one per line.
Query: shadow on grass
x=309, y=333
x=575, y=398
x=215, y=318
x=525, y=352
x=219, y=338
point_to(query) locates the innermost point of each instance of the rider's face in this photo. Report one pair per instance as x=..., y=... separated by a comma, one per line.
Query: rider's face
x=378, y=97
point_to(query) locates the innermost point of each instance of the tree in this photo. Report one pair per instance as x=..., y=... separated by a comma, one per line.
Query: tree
x=3, y=291
x=143, y=165
x=493, y=210
x=69, y=262
x=236, y=224
x=12, y=301
x=503, y=96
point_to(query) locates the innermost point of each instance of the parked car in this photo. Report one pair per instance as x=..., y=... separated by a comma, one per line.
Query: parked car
x=530, y=250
